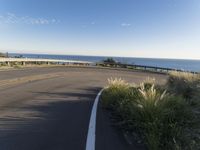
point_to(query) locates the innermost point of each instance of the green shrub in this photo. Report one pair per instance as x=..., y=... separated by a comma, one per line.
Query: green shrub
x=109, y=60
x=184, y=84
x=160, y=119
x=118, y=90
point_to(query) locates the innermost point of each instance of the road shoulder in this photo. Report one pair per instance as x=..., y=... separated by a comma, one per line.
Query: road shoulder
x=109, y=137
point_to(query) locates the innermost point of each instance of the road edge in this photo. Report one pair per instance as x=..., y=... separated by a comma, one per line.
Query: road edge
x=91, y=136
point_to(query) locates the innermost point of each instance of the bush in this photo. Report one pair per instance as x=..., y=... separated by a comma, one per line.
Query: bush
x=117, y=91
x=160, y=119
x=109, y=60
x=184, y=84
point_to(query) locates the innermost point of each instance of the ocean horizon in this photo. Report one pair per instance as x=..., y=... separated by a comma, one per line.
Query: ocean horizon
x=182, y=64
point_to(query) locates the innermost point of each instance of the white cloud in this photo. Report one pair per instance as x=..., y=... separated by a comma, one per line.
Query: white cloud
x=11, y=18
x=125, y=24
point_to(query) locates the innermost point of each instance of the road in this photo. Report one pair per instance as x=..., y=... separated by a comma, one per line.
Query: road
x=52, y=111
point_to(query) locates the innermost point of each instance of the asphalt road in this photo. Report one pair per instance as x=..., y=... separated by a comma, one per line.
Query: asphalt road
x=53, y=113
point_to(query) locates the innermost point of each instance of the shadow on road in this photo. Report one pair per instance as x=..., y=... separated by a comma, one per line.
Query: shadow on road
x=50, y=121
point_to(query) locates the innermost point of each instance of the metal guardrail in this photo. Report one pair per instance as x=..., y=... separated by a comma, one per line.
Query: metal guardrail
x=35, y=60
x=142, y=67
x=87, y=63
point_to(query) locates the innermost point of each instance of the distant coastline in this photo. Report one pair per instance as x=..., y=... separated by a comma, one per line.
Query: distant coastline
x=183, y=64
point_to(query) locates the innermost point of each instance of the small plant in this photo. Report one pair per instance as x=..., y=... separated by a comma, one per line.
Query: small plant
x=150, y=97
x=149, y=80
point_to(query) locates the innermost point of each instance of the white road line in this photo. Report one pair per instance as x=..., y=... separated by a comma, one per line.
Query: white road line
x=90, y=144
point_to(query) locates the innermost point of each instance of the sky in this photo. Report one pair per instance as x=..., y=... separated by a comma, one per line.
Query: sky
x=126, y=28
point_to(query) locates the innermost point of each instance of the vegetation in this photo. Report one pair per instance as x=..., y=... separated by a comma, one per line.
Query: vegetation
x=162, y=116
x=2, y=55
x=185, y=84
x=110, y=61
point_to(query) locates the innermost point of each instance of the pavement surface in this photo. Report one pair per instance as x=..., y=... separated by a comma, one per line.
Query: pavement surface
x=50, y=108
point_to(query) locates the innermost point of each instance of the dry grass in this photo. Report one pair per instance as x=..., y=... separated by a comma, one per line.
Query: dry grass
x=117, y=82
x=187, y=76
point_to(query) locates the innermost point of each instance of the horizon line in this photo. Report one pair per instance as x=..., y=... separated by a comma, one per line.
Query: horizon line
x=140, y=57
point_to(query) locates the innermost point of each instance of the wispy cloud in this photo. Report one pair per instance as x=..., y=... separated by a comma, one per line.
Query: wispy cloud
x=11, y=18
x=125, y=24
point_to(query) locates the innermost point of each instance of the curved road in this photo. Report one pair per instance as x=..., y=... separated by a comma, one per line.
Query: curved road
x=49, y=108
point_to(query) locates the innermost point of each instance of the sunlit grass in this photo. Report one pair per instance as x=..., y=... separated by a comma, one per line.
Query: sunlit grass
x=187, y=76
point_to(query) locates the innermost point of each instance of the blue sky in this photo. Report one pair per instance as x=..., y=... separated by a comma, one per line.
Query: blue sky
x=132, y=28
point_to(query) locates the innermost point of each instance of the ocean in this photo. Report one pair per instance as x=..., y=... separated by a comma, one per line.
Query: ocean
x=187, y=65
